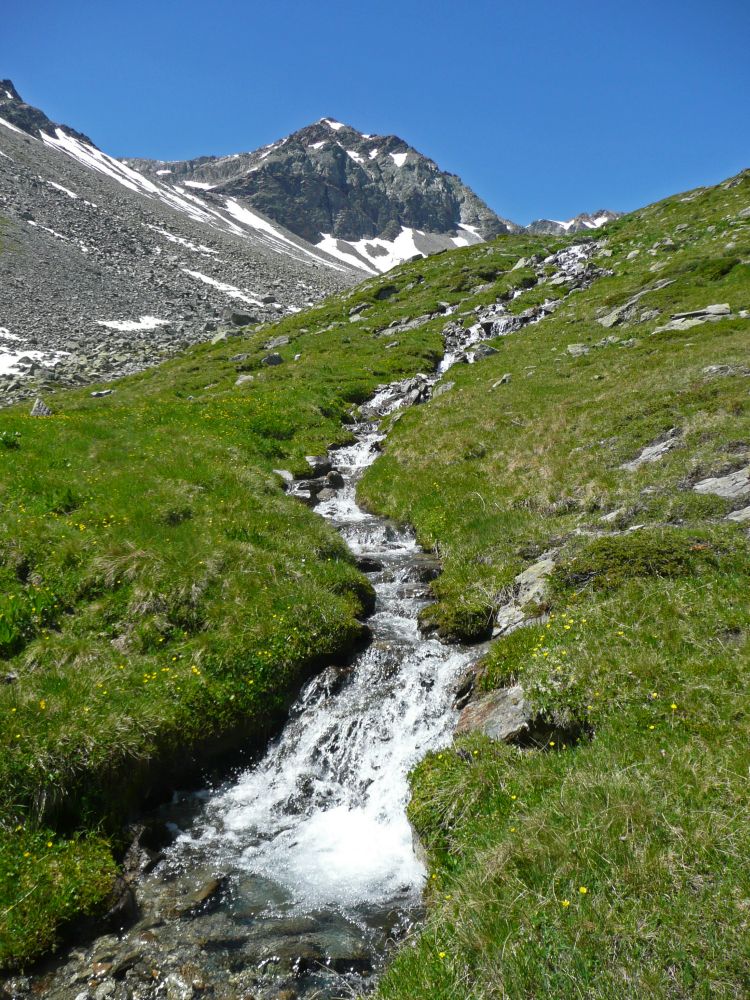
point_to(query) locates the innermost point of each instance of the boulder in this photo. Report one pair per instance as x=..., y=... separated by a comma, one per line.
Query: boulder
x=276, y=342
x=271, y=360
x=320, y=465
x=367, y=564
x=719, y=309
x=736, y=484
x=653, y=452
x=739, y=516
x=242, y=318
x=484, y=351
x=334, y=479
x=441, y=389
x=502, y=715
x=285, y=476
x=244, y=379
x=102, y=392
x=577, y=350
x=40, y=409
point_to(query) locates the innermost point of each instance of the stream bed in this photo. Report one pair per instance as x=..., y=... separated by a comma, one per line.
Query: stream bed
x=294, y=879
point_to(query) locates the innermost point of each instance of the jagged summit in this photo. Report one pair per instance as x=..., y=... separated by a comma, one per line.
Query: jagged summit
x=587, y=220
x=372, y=200
x=28, y=118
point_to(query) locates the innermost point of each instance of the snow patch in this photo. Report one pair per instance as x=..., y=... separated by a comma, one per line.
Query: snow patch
x=200, y=185
x=59, y=187
x=357, y=157
x=237, y=222
x=161, y=173
x=398, y=158
x=131, y=325
x=374, y=153
x=279, y=242
x=230, y=290
x=11, y=127
x=52, y=232
x=5, y=334
x=10, y=361
x=195, y=247
x=317, y=145
x=374, y=255
x=333, y=124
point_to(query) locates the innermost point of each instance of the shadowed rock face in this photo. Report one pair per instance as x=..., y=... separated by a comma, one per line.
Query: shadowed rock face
x=29, y=119
x=331, y=179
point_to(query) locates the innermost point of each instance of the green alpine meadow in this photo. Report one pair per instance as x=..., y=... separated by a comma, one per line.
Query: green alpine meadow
x=585, y=488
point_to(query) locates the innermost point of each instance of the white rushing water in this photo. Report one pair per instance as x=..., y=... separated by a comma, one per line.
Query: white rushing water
x=323, y=813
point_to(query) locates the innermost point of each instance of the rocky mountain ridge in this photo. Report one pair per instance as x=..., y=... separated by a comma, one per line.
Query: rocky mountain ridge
x=104, y=272
x=108, y=266
x=371, y=200
x=578, y=224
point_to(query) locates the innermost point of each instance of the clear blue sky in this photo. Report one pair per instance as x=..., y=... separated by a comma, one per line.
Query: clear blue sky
x=545, y=108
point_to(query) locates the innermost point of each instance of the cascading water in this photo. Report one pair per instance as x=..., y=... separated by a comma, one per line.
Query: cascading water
x=292, y=880
x=315, y=834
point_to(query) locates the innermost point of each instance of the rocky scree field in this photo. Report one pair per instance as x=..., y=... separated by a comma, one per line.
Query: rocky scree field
x=584, y=482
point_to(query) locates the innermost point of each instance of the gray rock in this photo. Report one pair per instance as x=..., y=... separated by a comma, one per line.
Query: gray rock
x=531, y=585
x=335, y=479
x=320, y=465
x=626, y=310
x=724, y=371
x=242, y=318
x=441, y=389
x=285, y=475
x=653, y=452
x=736, y=484
x=502, y=715
x=244, y=379
x=40, y=409
x=739, y=516
x=102, y=392
x=272, y=360
x=503, y=380
x=205, y=895
x=276, y=342
x=577, y=350
x=720, y=309
x=484, y=351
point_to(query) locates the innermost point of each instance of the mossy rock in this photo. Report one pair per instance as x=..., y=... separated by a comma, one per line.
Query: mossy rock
x=459, y=623
x=607, y=563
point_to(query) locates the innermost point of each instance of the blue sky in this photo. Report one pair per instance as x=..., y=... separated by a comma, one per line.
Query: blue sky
x=545, y=108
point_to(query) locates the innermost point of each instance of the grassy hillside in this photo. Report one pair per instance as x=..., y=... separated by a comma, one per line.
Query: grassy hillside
x=161, y=597
x=610, y=860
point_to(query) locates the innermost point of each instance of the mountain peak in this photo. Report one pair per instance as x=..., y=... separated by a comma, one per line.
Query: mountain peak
x=586, y=220
x=8, y=92
x=29, y=119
